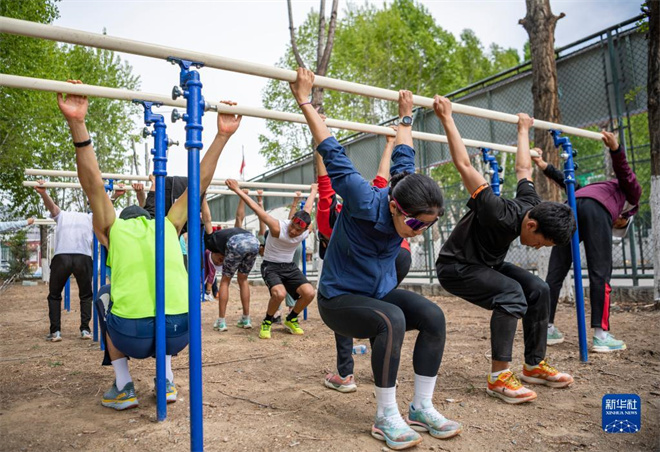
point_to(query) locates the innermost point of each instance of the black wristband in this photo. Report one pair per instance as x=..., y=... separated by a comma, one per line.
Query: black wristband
x=82, y=144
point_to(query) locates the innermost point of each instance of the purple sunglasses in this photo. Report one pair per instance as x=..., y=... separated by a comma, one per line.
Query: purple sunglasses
x=412, y=222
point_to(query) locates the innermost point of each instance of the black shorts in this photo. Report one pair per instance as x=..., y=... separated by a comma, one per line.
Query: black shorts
x=288, y=274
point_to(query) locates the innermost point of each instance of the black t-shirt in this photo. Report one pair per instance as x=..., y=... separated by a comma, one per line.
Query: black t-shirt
x=217, y=242
x=484, y=234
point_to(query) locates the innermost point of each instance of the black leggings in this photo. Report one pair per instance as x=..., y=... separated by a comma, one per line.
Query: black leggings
x=510, y=292
x=345, y=344
x=595, y=227
x=385, y=323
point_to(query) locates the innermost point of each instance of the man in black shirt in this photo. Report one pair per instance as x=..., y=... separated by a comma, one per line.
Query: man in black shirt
x=471, y=263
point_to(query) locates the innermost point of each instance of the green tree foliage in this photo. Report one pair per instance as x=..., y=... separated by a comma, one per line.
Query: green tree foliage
x=18, y=252
x=398, y=46
x=33, y=132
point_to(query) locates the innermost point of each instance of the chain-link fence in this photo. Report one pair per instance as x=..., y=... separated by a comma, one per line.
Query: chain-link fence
x=602, y=84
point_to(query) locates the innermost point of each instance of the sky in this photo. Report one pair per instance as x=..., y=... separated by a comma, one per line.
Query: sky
x=257, y=31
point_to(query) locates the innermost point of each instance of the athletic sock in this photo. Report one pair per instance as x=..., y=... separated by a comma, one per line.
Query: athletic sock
x=424, y=387
x=168, y=368
x=292, y=315
x=494, y=375
x=385, y=398
x=599, y=333
x=122, y=374
x=269, y=318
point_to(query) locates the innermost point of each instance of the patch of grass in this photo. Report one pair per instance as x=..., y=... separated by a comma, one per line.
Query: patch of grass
x=35, y=346
x=55, y=363
x=285, y=343
x=251, y=338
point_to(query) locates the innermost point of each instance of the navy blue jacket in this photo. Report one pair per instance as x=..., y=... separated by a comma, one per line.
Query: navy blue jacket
x=364, y=244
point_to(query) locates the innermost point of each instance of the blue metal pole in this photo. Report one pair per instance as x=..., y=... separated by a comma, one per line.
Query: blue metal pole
x=95, y=289
x=191, y=89
x=304, y=260
x=67, y=295
x=160, y=171
x=494, y=171
x=569, y=174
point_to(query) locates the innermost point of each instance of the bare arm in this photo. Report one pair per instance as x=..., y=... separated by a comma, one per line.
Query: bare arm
x=272, y=223
x=472, y=179
x=74, y=109
x=48, y=201
x=386, y=158
x=260, y=202
x=206, y=217
x=404, y=133
x=301, y=90
x=523, y=157
x=240, y=211
x=139, y=192
x=309, y=203
x=294, y=204
x=227, y=125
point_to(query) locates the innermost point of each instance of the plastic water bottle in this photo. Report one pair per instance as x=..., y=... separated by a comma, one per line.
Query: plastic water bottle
x=359, y=349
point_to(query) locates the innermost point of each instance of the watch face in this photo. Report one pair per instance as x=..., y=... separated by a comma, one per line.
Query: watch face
x=407, y=120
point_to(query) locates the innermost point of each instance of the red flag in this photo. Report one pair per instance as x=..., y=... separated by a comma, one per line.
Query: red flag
x=242, y=165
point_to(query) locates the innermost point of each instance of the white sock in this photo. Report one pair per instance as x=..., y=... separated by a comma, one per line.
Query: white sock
x=424, y=387
x=385, y=399
x=122, y=375
x=494, y=375
x=168, y=368
x=599, y=333
x=551, y=326
x=221, y=319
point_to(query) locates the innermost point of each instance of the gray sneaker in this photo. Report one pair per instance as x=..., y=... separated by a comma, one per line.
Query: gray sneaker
x=170, y=391
x=85, y=335
x=54, y=337
x=120, y=400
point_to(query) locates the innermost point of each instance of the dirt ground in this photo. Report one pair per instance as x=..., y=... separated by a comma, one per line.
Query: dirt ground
x=268, y=395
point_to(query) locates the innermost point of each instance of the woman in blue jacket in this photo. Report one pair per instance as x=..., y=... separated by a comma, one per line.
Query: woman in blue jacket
x=357, y=296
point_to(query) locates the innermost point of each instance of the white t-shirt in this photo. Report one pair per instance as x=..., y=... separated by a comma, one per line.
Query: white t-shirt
x=282, y=248
x=74, y=233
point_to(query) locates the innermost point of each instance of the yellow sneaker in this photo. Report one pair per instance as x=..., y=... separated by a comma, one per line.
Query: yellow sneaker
x=293, y=326
x=508, y=388
x=264, y=332
x=545, y=374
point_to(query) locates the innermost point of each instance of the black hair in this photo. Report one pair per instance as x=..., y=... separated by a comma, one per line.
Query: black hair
x=134, y=212
x=555, y=220
x=304, y=216
x=417, y=194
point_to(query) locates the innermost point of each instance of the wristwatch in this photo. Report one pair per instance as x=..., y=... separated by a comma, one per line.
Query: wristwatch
x=406, y=121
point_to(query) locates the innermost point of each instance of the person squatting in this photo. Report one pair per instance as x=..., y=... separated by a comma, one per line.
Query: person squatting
x=364, y=245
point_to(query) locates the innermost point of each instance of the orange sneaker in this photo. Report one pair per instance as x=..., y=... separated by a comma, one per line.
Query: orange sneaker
x=545, y=374
x=508, y=388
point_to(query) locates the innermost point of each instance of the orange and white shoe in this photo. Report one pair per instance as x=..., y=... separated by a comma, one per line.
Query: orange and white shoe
x=545, y=374
x=509, y=388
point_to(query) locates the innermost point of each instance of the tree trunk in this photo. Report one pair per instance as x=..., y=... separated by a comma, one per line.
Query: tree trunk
x=540, y=23
x=653, y=90
x=540, y=26
x=323, y=51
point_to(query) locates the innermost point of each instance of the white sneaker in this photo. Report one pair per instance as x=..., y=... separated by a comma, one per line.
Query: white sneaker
x=208, y=297
x=85, y=335
x=54, y=337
